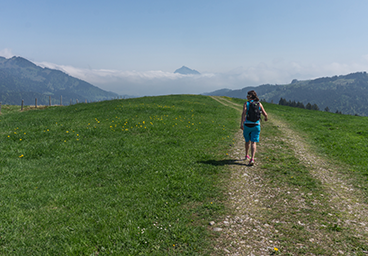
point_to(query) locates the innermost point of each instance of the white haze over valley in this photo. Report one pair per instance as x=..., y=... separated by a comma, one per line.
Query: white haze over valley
x=157, y=82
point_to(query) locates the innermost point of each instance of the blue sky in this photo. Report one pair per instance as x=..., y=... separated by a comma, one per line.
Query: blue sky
x=133, y=47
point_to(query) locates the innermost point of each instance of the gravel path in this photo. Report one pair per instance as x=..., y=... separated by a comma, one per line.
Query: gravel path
x=245, y=231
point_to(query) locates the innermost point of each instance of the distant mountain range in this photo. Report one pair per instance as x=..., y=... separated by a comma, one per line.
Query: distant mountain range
x=22, y=79
x=346, y=93
x=186, y=71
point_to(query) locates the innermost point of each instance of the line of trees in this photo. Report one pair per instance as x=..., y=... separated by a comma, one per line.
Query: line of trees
x=297, y=104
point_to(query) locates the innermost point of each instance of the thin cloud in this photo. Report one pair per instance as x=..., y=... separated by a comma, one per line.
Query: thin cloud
x=159, y=82
x=139, y=83
x=7, y=53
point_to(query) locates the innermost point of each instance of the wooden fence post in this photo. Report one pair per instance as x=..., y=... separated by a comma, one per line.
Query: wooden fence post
x=0, y=108
x=21, y=108
x=61, y=100
x=49, y=100
x=70, y=102
x=36, y=103
x=85, y=101
x=76, y=101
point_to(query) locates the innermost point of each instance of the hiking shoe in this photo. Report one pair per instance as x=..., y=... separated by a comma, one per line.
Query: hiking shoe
x=251, y=162
x=247, y=158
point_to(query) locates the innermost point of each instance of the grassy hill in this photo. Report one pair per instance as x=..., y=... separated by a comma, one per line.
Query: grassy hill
x=345, y=93
x=348, y=94
x=122, y=176
x=131, y=177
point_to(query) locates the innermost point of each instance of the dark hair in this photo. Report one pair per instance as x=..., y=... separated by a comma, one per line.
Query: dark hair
x=253, y=95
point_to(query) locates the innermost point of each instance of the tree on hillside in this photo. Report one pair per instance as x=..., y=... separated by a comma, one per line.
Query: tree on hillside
x=300, y=105
x=327, y=109
x=315, y=107
x=282, y=101
x=308, y=106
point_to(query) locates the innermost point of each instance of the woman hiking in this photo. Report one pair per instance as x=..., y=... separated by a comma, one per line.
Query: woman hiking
x=251, y=125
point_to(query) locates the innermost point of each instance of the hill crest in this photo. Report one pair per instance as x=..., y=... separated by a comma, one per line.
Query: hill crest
x=22, y=79
x=345, y=93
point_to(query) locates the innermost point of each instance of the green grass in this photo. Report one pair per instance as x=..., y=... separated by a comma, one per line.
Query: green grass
x=343, y=138
x=123, y=177
x=5, y=109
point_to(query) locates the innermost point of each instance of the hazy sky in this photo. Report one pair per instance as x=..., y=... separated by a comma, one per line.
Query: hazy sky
x=133, y=47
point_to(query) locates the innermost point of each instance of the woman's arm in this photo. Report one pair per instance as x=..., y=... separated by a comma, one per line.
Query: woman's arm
x=264, y=112
x=243, y=116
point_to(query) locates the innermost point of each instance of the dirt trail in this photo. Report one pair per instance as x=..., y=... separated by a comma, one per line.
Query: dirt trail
x=245, y=231
x=347, y=200
x=227, y=103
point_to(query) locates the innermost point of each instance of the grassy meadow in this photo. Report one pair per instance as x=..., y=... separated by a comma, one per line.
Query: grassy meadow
x=124, y=177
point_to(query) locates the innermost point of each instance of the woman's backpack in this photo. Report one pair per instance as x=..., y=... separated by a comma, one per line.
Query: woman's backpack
x=254, y=112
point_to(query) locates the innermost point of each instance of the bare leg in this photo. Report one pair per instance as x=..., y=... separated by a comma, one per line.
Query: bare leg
x=253, y=149
x=246, y=149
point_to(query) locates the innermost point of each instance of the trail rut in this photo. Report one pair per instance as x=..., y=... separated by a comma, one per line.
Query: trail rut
x=244, y=231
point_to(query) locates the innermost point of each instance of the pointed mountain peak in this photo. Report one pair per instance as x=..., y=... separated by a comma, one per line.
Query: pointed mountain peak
x=187, y=71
